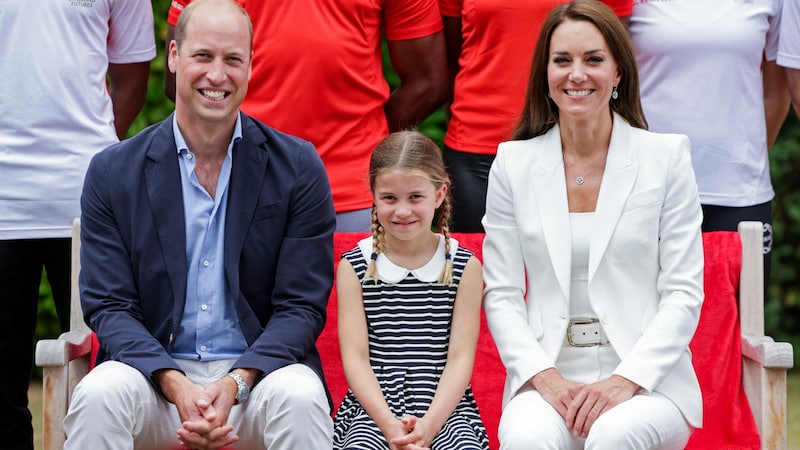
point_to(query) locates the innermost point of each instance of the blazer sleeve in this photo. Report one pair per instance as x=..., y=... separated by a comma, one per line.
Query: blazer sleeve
x=665, y=338
x=505, y=280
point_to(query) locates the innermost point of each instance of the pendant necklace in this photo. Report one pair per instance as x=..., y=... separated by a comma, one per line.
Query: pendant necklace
x=580, y=179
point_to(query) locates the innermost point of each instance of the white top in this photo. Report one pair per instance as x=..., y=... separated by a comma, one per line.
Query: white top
x=55, y=111
x=700, y=70
x=581, y=232
x=789, y=48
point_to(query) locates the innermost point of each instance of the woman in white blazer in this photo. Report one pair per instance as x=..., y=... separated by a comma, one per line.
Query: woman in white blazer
x=593, y=260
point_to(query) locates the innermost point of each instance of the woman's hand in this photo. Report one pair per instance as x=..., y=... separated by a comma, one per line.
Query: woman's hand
x=595, y=399
x=556, y=390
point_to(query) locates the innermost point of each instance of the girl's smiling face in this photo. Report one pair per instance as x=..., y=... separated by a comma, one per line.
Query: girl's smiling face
x=406, y=202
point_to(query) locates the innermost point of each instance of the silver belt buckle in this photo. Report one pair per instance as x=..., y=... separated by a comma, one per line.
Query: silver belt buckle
x=585, y=332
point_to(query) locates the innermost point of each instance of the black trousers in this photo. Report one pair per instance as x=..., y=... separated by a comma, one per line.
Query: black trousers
x=727, y=218
x=21, y=263
x=469, y=174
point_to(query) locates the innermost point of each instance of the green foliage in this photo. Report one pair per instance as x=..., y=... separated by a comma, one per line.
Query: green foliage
x=157, y=107
x=47, y=322
x=782, y=313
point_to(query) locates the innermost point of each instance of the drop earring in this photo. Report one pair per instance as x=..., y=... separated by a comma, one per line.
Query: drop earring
x=614, y=93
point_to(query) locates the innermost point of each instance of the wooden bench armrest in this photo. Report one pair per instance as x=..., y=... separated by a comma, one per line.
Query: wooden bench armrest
x=64, y=362
x=768, y=353
x=68, y=347
x=764, y=365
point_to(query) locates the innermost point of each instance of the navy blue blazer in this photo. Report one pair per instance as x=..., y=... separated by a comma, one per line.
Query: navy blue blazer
x=278, y=248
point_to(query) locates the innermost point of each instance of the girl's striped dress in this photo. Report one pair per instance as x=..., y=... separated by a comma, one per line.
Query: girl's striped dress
x=408, y=322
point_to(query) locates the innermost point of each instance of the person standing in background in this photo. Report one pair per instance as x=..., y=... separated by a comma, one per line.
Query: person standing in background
x=489, y=48
x=74, y=78
x=789, y=49
x=317, y=74
x=708, y=70
x=193, y=234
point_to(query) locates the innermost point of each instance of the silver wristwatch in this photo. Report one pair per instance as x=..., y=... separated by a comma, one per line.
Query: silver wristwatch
x=243, y=389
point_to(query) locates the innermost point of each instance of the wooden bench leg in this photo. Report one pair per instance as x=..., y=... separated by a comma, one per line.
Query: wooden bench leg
x=55, y=395
x=766, y=390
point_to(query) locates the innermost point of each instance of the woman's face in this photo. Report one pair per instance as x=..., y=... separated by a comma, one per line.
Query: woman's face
x=581, y=71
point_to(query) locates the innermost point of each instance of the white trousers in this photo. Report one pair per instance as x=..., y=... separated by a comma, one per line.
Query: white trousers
x=646, y=421
x=114, y=407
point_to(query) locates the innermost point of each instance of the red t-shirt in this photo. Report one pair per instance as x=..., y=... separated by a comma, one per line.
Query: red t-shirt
x=317, y=74
x=498, y=42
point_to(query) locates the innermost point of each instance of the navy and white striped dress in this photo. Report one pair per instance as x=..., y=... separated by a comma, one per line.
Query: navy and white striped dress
x=409, y=315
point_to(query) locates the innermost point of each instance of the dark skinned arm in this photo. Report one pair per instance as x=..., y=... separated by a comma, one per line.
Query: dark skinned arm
x=421, y=66
x=128, y=90
x=793, y=78
x=776, y=99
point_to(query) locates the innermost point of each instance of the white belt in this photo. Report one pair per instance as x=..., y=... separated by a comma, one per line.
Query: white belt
x=585, y=332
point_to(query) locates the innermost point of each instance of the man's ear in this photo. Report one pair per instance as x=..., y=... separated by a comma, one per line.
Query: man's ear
x=173, y=56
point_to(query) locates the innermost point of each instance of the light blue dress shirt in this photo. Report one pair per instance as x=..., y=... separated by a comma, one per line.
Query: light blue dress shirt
x=209, y=329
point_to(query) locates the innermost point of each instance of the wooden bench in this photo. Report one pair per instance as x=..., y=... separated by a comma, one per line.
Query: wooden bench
x=733, y=259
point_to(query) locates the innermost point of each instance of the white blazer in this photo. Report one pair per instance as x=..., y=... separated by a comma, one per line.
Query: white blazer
x=645, y=260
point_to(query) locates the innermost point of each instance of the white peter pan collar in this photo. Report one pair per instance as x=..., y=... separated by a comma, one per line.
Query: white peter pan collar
x=389, y=272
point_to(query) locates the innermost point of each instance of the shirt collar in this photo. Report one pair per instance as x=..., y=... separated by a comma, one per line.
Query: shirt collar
x=389, y=272
x=180, y=142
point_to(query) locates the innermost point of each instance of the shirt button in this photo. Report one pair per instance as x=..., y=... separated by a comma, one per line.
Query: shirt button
x=203, y=347
x=206, y=263
x=204, y=307
x=189, y=156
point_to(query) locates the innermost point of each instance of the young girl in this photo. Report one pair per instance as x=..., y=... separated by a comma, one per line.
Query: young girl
x=409, y=313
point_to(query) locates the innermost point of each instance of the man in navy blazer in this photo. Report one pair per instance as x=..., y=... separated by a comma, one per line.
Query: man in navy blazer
x=207, y=261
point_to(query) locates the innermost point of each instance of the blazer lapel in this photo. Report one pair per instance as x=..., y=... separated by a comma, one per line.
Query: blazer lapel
x=618, y=180
x=550, y=190
x=163, y=184
x=247, y=177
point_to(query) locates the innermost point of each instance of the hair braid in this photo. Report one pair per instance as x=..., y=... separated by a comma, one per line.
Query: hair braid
x=377, y=246
x=446, y=277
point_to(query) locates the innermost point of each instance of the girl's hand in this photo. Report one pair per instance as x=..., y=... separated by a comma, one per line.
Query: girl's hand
x=417, y=435
x=396, y=429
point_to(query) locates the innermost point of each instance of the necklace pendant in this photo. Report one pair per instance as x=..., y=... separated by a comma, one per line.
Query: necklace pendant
x=579, y=180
